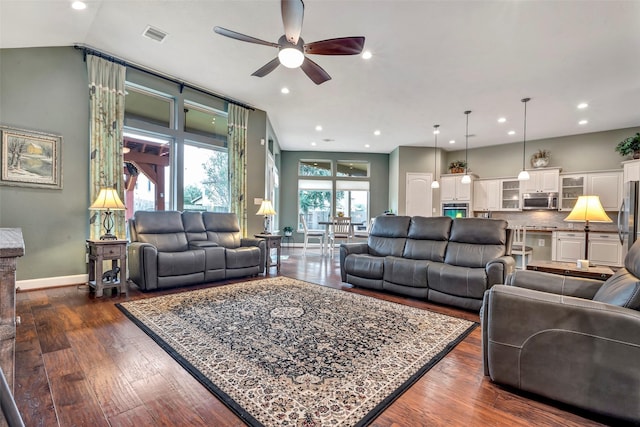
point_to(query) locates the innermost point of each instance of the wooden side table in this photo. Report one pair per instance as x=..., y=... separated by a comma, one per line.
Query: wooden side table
x=570, y=269
x=273, y=241
x=104, y=250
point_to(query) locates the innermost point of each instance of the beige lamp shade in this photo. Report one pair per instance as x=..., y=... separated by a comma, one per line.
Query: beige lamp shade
x=588, y=208
x=108, y=199
x=266, y=208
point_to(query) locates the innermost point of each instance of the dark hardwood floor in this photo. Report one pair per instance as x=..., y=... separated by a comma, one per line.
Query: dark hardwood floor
x=81, y=362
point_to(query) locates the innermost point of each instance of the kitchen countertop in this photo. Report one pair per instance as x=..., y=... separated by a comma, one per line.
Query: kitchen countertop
x=542, y=229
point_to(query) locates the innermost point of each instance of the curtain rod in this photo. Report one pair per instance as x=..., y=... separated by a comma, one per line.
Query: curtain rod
x=87, y=50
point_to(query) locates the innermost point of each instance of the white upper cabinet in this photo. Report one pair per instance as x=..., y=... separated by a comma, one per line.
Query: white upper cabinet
x=541, y=181
x=606, y=185
x=452, y=189
x=486, y=195
x=631, y=170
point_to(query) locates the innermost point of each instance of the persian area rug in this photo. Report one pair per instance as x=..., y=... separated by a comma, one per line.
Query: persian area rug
x=282, y=352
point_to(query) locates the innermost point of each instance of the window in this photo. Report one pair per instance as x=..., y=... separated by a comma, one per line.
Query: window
x=352, y=199
x=146, y=105
x=314, y=201
x=316, y=193
x=314, y=168
x=206, y=181
x=353, y=168
x=205, y=121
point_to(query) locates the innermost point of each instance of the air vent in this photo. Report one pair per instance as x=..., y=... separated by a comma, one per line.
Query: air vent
x=154, y=34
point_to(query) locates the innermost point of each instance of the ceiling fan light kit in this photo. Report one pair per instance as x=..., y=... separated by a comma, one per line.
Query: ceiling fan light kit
x=292, y=49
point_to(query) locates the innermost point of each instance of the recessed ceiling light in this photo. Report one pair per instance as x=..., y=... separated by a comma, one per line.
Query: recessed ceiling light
x=284, y=90
x=367, y=145
x=502, y=120
x=583, y=105
x=366, y=54
x=511, y=132
x=313, y=143
x=452, y=141
x=318, y=128
x=376, y=132
x=583, y=122
x=79, y=5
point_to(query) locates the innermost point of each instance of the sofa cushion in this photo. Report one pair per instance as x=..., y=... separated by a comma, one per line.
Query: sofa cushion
x=194, y=226
x=248, y=256
x=476, y=241
x=459, y=281
x=162, y=229
x=406, y=272
x=621, y=289
x=180, y=263
x=222, y=228
x=427, y=238
x=388, y=235
x=366, y=266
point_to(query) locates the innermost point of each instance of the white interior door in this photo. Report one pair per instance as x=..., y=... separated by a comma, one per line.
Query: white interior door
x=419, y=200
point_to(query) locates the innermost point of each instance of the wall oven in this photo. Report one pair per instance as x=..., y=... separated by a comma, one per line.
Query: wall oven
x=455, y=210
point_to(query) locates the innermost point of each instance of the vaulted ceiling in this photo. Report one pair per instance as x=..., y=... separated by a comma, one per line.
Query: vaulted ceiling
x=432, y=60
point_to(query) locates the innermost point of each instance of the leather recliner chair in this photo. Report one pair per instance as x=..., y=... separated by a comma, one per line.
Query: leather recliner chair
x=570, y=339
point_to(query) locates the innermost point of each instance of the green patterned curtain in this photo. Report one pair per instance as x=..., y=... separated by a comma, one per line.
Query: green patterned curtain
x=106, y=122
x=237, y=145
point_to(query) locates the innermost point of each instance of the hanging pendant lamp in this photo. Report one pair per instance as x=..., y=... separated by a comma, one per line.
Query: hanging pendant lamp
x=466, y=179
x=435, y=183
x=524, y=175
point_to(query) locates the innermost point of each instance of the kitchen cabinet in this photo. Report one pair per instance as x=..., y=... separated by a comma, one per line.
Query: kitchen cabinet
x=541, y=181
x=452, y=189
x=607, y=185
x=509, y=195
x=486, y=195
x=567, y=246
x=604, y=248
x=631, y=170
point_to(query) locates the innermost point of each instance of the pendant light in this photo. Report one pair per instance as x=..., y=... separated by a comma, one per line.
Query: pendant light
x=435, y=183
x=466, y=179
x=524, y=175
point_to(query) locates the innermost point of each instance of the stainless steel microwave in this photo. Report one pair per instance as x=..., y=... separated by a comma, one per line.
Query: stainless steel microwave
x=534, y=201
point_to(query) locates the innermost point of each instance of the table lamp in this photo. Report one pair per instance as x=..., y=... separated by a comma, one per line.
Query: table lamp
x=108, y=200
x=588, y=208
x=266, y=209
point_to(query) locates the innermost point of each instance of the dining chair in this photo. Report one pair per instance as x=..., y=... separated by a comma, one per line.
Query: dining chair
x=311, y=234
x=519, y=246
x=363, y=234
x=340, y=230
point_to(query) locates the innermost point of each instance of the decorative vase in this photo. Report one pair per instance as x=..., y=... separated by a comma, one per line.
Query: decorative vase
x=288, y=233
x=456, y=170
x=636, y=154
x=540, y=162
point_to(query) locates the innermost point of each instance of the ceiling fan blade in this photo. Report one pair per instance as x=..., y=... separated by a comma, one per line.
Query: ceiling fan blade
x=242, y=37
x=267, y=68
x=314, y=71
x=339, y=46
x=292, y=16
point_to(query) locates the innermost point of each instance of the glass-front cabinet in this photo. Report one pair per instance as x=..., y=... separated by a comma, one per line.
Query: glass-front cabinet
x=510, y=194
x=571, y=187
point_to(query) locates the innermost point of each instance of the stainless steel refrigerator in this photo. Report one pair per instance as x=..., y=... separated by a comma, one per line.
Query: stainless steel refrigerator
x=628, y=226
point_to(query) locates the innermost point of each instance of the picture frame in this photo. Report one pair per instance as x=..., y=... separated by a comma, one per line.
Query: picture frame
x=30, y=158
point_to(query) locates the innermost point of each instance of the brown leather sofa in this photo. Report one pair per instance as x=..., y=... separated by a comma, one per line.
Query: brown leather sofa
x=171, y=248
x=444, y=260
x=569, y=339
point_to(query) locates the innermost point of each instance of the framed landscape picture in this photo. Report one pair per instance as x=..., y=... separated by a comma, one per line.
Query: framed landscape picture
x=30, y=159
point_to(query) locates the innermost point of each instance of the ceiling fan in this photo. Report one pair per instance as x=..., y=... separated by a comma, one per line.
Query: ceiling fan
x=292, y=48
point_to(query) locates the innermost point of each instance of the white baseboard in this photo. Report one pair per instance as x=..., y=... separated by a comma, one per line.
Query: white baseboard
x=51, y=282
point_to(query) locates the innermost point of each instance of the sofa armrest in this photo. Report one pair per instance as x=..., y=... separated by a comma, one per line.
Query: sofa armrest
x=262, y=244
x=348, y=249
x=555, y=283
x=498, y=269
x=143, y=265
x=199, y=244
x=573, y=350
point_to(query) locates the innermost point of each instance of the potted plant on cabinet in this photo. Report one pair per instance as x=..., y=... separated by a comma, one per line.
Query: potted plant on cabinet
x=540, y=158
x=288, y=231
x=457, y=166
x=630, y=145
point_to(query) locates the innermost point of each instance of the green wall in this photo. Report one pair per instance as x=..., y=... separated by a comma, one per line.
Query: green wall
x=46, y=89
x=379, y=182
x=575, y=153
